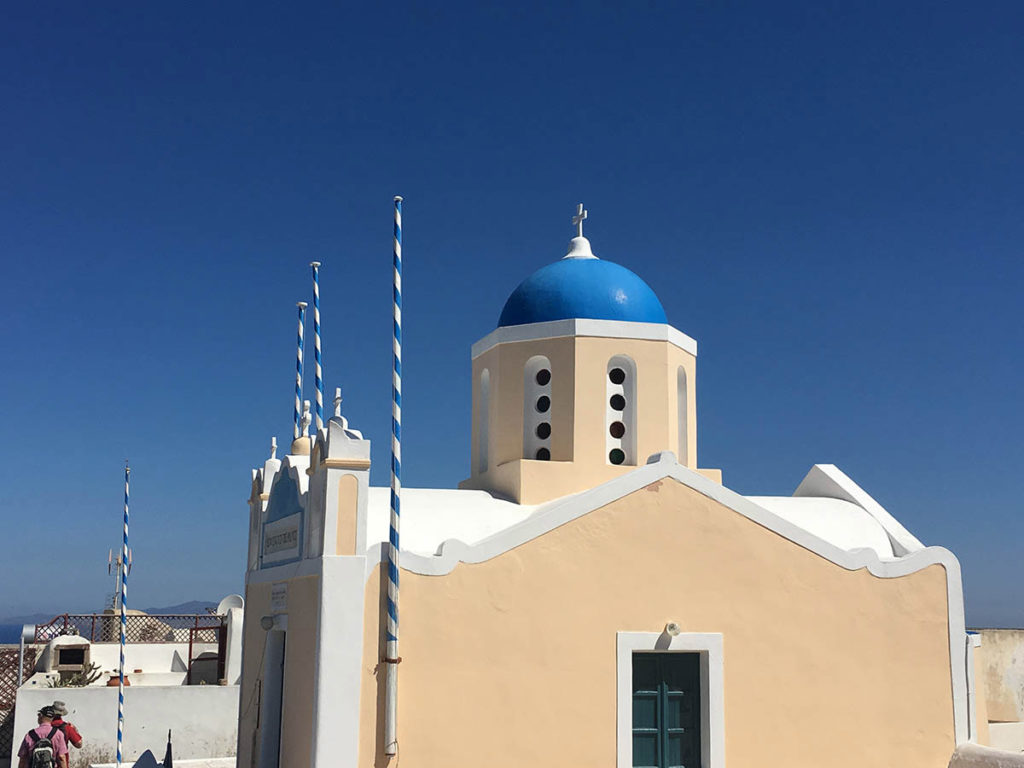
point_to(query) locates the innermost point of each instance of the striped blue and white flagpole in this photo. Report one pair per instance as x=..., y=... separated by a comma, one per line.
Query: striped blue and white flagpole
x=319, y=381
x=124, y=620
x=298, y=372
x=391, y=651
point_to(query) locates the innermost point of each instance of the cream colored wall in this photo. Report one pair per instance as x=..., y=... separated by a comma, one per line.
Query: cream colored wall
x=657, y=420
x=511, y=662
x=506, y=363
x=257, y=605
x=1003, y=671
x=578, y=414
x=348, y=510
x=980, y=696
x=300, y=648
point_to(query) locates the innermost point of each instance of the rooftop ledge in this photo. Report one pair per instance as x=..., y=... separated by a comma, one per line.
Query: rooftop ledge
x=615, y=329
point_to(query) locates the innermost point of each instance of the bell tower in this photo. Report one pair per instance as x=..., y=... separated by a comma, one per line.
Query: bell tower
x=582, y=380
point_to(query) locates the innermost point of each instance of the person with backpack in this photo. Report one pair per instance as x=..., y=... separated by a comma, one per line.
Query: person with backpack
x=44, y=745
x=71, y=735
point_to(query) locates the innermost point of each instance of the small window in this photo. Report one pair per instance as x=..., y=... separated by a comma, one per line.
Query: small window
x=537, y=417
x=71, y=657
x=620, y=411
x=483, y=430
x=683, y=420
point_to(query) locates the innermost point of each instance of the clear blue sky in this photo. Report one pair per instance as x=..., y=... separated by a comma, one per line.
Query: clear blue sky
x=827, y=196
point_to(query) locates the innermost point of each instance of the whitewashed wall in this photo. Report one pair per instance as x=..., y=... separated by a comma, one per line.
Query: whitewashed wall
x=204, y=719
x=149, y=657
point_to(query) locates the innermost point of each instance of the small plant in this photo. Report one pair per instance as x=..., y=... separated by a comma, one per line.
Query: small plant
x=87, y=676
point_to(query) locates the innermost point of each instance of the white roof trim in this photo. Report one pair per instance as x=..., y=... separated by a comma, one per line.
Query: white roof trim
x=614, y=329
x=663, y=465
x=830, y=481
x=840, y=522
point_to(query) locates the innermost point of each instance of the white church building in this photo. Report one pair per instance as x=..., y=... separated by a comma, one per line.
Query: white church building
x=591, y=595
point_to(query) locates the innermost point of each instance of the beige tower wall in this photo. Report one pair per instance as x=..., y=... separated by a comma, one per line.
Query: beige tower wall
x=512, y=662
x=300, y=647
x=579, y=457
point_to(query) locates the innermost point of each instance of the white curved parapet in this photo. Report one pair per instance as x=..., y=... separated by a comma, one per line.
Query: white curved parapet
x=842, y=523
x=976, y=756
x=829, y=481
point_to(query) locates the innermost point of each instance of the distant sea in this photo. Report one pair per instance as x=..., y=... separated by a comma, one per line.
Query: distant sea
x=9, y=633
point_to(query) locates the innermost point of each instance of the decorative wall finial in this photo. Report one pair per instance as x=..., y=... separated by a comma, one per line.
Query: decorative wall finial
x=273, y=447
x=337, y=402
x=577, y=220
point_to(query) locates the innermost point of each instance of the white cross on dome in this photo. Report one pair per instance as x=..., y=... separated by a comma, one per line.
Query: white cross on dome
x=577, y=220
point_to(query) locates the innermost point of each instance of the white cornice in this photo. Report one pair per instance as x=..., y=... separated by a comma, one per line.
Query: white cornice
x=613, y=329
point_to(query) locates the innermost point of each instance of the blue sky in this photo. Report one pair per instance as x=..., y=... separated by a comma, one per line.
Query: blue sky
x=827, y=197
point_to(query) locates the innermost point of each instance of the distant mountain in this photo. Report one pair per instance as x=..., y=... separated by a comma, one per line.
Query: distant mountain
x=192, y=606
x=31, y=618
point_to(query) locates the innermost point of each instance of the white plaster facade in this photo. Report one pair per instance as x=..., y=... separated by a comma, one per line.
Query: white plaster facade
x=203, y=715
x=203, y=718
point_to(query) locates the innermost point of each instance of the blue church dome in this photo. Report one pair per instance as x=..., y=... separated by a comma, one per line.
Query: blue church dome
x=582, y=287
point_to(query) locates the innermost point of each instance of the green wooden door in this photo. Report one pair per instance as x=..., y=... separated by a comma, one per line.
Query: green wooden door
x=666, y=710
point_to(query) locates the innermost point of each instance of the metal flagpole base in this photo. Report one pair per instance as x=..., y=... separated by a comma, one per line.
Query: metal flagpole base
x=391, y=707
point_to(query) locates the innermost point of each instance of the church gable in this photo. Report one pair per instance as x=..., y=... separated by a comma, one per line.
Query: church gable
x=799, y=630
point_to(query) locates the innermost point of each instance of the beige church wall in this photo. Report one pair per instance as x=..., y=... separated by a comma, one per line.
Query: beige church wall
x=980, y=695
x=506, y=363
x=578, y=414
x=300, y=647
x=348, y=510
x=512, y=661
x=257, y=605
x=1003, y=673
x=656, y=365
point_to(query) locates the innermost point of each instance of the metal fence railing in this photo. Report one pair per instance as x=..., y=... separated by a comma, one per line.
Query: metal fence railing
x=9, y=689
x=140, y=628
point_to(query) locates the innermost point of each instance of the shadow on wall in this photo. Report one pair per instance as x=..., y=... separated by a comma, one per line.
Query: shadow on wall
x=381, y=760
